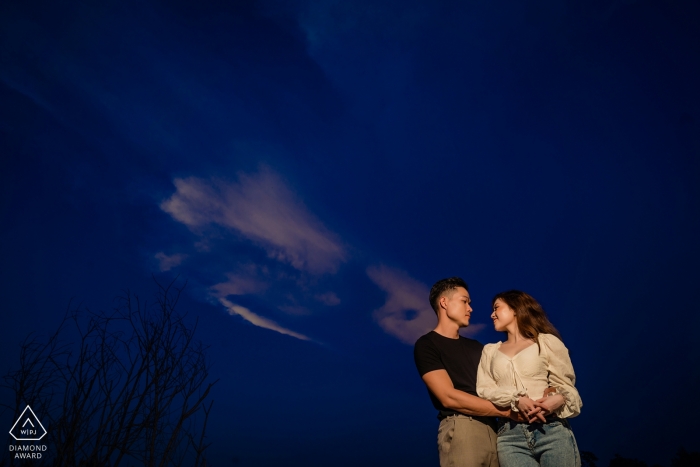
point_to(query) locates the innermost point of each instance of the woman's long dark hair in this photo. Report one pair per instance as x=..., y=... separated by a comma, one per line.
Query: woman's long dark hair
x=530, y=316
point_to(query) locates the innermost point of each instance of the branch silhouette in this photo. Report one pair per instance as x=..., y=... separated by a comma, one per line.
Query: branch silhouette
x=118, y=387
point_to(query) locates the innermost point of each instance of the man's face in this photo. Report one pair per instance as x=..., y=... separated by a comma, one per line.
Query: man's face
x=457, y=304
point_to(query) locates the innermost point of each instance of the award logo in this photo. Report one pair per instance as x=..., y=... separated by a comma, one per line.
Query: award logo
x=28, y=427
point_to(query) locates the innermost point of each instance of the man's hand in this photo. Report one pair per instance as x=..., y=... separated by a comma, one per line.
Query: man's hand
x=549, y=404
x=530, y=410
x=518, y=417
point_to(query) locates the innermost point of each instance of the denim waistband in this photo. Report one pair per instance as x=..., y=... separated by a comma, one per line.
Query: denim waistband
x=550, y=419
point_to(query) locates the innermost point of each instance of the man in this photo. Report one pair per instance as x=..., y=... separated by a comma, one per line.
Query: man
x=448, y=363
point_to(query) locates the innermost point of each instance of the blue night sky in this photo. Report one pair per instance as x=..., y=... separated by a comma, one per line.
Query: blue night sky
x=312, y=167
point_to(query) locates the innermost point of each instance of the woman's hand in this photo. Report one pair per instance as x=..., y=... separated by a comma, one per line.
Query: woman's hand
x=529, y=408
x=549, y=404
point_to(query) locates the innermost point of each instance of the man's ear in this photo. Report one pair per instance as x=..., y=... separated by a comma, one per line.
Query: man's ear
x=442, y=301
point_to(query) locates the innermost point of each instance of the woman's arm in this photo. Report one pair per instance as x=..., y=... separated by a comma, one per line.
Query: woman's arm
x=567, y=402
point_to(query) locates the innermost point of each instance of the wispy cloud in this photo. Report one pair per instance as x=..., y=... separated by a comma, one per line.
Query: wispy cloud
x=264, y=210
x=238, y=284
x=405, y=296
x=167, y=262
x=261, y=208
x=472, y=329
x=328, y=299
x=258, y=320
x=406, y=314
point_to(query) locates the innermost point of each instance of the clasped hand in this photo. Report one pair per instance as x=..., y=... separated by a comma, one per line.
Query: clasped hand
x=537, y=410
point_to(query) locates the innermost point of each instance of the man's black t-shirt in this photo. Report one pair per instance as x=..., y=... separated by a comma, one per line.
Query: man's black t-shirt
x=459, y=357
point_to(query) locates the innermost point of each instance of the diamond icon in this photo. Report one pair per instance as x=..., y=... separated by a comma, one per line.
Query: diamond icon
x=28, y=427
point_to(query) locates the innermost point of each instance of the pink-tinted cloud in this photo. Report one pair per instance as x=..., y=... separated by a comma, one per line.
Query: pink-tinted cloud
x=258, y=320
x=406, y=314
x=167, y=262
x=328, y=299
x=263, y=209
x=472, y=330
x=238, y=284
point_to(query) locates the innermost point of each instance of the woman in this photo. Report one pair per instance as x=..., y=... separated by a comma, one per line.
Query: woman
x=517, y=373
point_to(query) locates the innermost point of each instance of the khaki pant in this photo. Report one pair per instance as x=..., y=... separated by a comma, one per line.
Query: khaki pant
x=466, y=442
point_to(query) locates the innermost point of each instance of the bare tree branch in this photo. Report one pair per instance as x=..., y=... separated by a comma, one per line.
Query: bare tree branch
x=126, y=389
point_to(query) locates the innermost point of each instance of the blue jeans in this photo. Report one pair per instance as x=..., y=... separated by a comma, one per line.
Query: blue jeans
x=537, y=444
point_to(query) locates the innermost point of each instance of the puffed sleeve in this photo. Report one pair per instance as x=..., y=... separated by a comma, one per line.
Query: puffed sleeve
x=561, y=375
x=486, y=387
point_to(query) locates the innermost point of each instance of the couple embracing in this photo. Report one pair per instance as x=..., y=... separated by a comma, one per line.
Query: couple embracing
x=506, y=402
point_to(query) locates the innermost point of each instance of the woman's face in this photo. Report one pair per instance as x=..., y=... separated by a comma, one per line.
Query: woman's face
x=502, y=315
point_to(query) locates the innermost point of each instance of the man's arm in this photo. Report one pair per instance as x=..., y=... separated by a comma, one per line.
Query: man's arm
x=440, y=384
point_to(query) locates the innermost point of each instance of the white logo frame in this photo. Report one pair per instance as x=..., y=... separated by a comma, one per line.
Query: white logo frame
x=20, y=419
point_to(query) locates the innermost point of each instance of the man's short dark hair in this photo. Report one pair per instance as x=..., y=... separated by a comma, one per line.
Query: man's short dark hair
x=441, y=287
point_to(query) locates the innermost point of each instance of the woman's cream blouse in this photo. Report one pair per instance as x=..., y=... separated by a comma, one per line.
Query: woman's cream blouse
x=503, y=380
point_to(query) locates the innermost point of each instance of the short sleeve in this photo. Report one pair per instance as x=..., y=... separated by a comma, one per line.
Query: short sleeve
x=427, y=356
x=486, y=386
x=561, y=375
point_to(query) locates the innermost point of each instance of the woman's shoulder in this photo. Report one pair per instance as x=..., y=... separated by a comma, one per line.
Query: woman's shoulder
x=551, y=341
x=491, y=348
